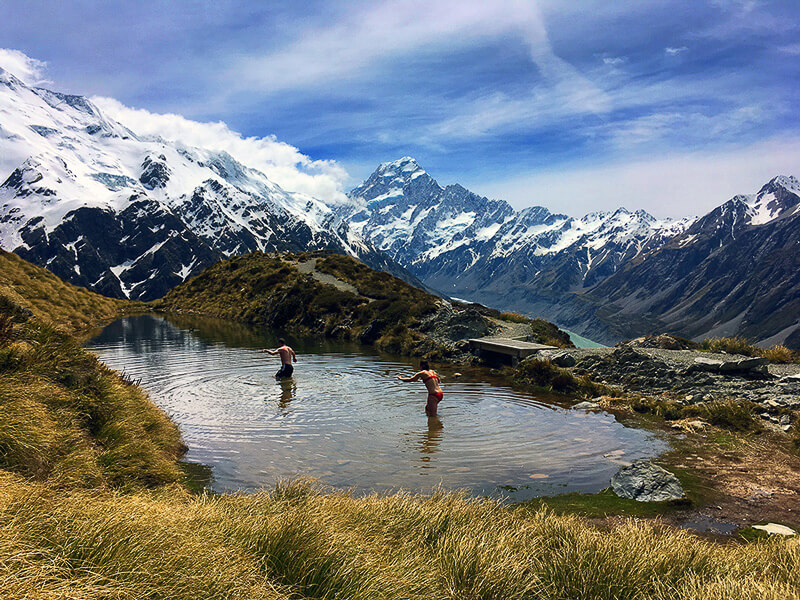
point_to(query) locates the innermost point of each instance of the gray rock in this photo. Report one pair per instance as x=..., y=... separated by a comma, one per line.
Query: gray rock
x=706, y=364
x=563, y=359
x=645, y=482
x=587, y=406
x=743, y=364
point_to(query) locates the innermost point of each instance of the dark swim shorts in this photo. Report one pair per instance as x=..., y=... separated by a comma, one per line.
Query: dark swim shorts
x=286, y=371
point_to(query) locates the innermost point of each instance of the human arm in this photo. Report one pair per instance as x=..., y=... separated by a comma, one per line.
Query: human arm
x=294, y=356
x=414, y=377
x=268, y=351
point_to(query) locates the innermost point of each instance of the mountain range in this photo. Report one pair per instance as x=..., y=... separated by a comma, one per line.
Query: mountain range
x=132, y=216
x=608, y=275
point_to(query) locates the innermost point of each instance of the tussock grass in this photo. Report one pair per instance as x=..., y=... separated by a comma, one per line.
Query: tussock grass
x=542, y=374
x=729, y=413
x=739, y=345
x=295, y=542
x=52, y=300
x=67, y=419
x=513, y=317
x=545, y=332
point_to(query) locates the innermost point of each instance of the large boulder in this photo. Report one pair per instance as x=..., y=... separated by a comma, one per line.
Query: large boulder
x=645, y=482
x=558, y=357
x=744, y=364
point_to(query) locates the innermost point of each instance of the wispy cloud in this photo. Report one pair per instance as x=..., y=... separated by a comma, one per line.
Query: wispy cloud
x=675, y=51
x=282, y=163
x=28, y=70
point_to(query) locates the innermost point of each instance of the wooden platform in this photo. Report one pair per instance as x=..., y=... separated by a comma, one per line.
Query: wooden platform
x=516, y=349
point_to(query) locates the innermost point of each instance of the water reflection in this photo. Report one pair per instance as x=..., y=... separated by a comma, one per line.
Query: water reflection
x=288, y=392
x=432, y=438
x=345, y=419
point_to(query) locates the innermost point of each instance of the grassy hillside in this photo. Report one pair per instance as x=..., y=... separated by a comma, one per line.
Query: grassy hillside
x=53, y=300
x=68, y=420
x=330, y=295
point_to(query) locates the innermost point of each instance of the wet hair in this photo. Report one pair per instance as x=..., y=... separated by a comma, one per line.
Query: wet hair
x=281, y=342
x=423, y=365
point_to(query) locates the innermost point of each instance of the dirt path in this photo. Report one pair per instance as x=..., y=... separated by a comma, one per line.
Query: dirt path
x=309, y=267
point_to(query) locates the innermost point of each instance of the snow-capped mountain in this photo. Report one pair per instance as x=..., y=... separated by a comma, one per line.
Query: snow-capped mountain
x=132, y=216
x=606, y=275
x=472, y=247
x=735, y=271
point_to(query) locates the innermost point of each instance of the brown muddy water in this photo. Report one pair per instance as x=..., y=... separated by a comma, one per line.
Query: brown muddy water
x=346, y=420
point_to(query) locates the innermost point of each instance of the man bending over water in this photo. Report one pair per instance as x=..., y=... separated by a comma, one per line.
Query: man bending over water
x=287, y=357
x=431, y=380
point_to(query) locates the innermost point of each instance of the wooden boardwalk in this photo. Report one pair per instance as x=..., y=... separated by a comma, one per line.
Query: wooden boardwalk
x=516, y=349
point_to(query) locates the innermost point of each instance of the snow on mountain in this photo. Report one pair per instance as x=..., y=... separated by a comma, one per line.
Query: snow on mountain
x=735, y=271
x=78, y=187
x=463, y=243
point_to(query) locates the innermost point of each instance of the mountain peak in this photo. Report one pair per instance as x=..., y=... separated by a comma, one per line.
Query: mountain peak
x=789, y=183
x=400, y=166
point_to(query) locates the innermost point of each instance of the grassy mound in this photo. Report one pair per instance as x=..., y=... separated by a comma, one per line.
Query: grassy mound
x=269, y=290
x=53, y=300
x=298, y=543
x=67, y=419
x=541, y=374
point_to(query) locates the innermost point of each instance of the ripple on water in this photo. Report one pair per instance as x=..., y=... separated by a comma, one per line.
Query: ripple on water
x=346, y=419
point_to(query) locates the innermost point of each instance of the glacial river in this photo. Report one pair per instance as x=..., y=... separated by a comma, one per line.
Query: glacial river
x=346, y=420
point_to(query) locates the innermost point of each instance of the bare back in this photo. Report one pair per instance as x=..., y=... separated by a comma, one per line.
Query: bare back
x=431, y=381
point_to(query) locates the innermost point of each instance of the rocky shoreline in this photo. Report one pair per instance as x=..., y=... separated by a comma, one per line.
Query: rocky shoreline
x=687, y=376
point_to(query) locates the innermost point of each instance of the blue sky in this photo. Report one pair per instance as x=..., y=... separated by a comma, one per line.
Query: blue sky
x=581, y=105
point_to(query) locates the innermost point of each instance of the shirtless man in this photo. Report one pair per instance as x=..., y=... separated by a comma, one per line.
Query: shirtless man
x=431, y=380
x=287, y=357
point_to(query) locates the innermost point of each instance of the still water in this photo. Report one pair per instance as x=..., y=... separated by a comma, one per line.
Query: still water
x=346, y=420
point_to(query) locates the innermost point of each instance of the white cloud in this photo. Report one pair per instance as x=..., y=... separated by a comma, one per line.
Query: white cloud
x=790, y=49
x=360, y=41
x=673, y=185
x=614, y=60
x=28, y=70
x=675, y=51
x=282, y=163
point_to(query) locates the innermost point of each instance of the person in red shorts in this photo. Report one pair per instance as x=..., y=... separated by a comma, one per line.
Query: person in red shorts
x=431, y=380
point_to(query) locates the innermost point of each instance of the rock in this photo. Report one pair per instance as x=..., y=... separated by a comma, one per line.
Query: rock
x=587, y=406
x=706, y=364
x=664, y=341
x=743, y=364
x=563, y=359
x=645, y=482
x=776, y=529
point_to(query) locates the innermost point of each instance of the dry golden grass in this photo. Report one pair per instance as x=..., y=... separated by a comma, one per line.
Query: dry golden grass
x=53, y=300
x=297, y=543
x=739, y=345
x=67, y=419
